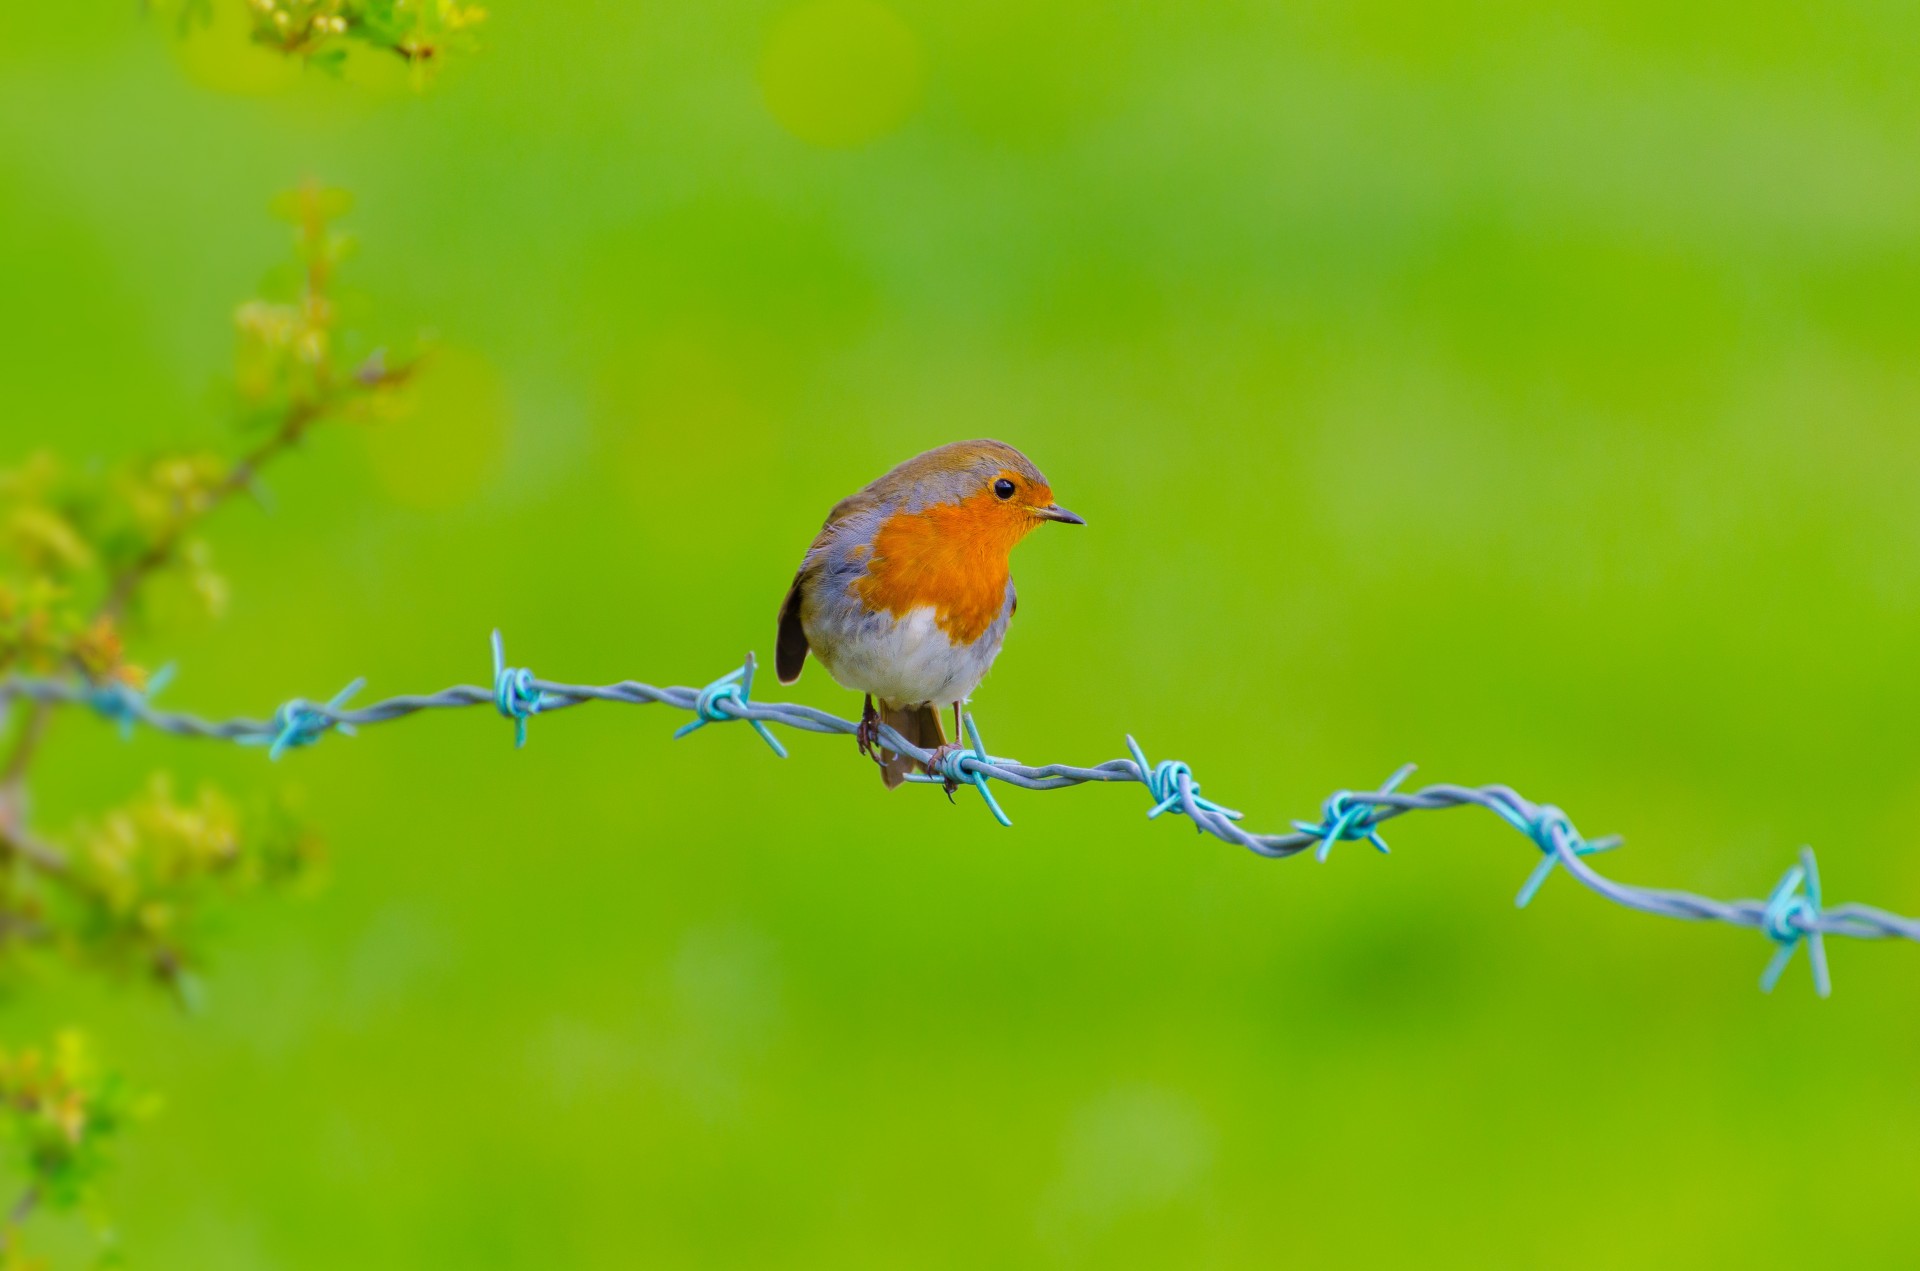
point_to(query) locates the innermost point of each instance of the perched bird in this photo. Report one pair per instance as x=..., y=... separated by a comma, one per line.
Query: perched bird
x=905, y=596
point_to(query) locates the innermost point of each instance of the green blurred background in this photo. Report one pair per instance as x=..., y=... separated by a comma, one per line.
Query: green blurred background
x=1526, y=390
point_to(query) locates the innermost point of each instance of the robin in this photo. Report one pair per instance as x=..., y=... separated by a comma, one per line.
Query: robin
x=905, y=595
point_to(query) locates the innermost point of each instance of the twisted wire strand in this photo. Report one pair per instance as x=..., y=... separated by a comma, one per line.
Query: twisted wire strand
x=1791, y=915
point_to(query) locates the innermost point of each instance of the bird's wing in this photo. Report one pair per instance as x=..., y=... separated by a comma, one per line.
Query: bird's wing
x=791, y=647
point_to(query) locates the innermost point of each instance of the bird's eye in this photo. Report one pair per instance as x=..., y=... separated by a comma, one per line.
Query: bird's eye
x=1003, y=489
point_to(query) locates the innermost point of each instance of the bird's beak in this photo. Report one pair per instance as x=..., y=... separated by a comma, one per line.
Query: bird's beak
x=1054, y=512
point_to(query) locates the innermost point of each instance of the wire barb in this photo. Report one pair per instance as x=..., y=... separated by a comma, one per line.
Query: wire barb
x=301, y=723
x=1347, y=816
x=957, y=765
x=514, y=693
x=124, y=704
x=1552, y=832
x=1173, y=788
x=710, y=706
x=1791, y=916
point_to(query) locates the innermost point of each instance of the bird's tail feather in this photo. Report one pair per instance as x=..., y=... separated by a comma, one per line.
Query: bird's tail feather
x=919, y=725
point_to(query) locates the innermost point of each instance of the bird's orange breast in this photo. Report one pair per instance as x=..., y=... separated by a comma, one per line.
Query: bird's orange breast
x=950, y=556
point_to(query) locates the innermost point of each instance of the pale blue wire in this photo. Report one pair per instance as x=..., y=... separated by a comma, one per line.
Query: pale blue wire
x=1172, y=786
x=732, y=688
x=301, y=723
x=1550, y=830
x=947, y=767
x=1793, y=914
x=514, y=694
x=1346, y=816
x=119, y=702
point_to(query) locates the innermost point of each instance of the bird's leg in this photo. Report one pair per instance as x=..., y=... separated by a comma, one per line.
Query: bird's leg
x=867, y=736
x=945, y=748
x=936, y=760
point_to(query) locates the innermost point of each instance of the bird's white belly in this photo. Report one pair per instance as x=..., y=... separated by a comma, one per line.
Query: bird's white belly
x=908, y=660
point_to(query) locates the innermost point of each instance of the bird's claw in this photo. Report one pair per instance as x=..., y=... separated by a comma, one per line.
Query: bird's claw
x=867, y=735
x=936, y=766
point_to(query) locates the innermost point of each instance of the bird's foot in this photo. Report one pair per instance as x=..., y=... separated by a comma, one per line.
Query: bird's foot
x=936, y=765
x=867, y=736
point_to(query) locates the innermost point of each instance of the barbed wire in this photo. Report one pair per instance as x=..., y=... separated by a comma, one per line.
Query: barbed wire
x=1792, y=914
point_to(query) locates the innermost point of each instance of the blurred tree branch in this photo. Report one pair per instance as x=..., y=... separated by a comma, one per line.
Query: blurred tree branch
x=125, y=890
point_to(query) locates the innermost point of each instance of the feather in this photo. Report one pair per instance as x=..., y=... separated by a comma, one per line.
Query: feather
x=917, y=724
x=790, y=650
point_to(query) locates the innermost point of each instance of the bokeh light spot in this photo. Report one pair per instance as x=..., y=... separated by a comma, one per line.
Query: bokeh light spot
x=841, y=72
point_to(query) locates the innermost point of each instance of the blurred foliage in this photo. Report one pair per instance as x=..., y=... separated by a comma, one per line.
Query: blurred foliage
x=321, y=32
x=143, y=873
x=129, y=889
x=59, y=1112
